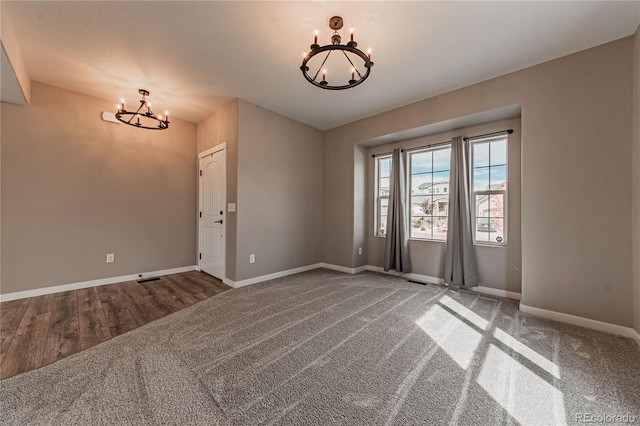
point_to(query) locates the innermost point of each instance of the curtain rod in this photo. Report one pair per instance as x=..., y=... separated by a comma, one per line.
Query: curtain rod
x=508, y=132
x=413, y=149
x=502, y=132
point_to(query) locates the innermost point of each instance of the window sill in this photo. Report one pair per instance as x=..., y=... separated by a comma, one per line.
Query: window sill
x=490, y=245
x=427, y=241
x=443, y=241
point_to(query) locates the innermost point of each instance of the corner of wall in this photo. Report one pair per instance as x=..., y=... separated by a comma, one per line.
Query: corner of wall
x=636, y=180
x=222, y=127
x=279, y=187
x=11, y=49
x=359, y=205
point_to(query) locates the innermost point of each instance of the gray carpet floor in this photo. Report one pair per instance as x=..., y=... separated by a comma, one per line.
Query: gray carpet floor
x=323, y=347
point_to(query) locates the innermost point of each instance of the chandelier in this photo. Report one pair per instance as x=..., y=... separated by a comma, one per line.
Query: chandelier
x=350, y=52
x=141, y=118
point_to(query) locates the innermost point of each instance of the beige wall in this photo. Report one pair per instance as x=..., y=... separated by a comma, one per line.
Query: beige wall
x=636, y=178
x=576, y=160
x=280, y=166
x=274, y=175
x=75, y=188
x=360, y=194
x=498, y=267
x=16, y=83
x=338, y=198
x=222, y=127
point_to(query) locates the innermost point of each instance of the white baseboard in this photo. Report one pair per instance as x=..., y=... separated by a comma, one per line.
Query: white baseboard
x=497, y=292
x=582, y=322
x=410, y=276
x=92, y=283
x=344, y=269
x=255, y=280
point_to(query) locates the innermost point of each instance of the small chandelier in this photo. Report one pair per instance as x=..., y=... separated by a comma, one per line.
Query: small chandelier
x=335, y=23
x=149, y=119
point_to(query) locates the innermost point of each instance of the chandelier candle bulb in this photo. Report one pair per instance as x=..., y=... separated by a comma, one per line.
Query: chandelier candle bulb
x=351, y=34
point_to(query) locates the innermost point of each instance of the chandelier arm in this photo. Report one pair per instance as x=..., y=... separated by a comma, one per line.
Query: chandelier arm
x=136, y=113
x=354, y=67
x=368, y=64
x=321, y=65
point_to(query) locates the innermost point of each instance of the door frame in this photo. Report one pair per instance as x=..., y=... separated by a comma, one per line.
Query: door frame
x=202, y=155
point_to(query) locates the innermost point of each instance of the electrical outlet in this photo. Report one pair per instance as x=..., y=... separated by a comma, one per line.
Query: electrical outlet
x=111, y=257
x=360, y=251
x=252, y=258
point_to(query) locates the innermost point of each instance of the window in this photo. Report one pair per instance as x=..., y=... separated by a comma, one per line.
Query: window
x=489, y=171
x=429, y=183
x=383, y=173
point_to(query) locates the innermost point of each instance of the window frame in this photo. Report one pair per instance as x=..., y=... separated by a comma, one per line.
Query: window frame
x=431, y=193
x=377, y=198
x=488, y=193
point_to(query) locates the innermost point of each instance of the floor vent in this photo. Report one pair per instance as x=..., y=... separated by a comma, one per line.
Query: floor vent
x=417, y=282
x=144, y=280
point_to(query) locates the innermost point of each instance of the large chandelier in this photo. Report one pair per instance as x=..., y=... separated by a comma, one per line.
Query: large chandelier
x=141, y=118
x=350, y=52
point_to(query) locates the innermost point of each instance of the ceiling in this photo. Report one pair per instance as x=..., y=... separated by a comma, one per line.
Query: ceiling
x=195, y=56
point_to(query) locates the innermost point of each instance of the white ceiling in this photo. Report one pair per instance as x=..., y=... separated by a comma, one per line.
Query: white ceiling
x=196, y=56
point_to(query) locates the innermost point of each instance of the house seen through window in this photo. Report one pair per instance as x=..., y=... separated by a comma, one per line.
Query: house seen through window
x=383, y=174
x=428, y=173
x=429, y=184
x=489, y=190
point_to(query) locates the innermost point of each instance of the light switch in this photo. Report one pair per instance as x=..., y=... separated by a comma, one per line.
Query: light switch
x=231, y=207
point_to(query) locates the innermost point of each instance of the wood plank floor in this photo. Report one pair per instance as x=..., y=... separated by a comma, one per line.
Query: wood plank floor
x=40, y=330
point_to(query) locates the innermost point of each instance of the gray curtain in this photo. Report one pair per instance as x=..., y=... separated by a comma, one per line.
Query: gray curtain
x=396, y=245
x=459, y=260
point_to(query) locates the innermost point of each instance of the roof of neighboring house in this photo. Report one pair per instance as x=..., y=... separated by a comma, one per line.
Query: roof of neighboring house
x=427, y=185
x=496, y=186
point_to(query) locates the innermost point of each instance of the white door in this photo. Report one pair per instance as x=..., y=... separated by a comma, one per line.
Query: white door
x=211, y=215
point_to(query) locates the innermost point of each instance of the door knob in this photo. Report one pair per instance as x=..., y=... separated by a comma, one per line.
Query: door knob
x=218, y=221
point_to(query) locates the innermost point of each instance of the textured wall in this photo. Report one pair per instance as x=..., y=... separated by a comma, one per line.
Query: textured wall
x=576, y=176
x=279, y=193
x=75, y=188
x=636, y=178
